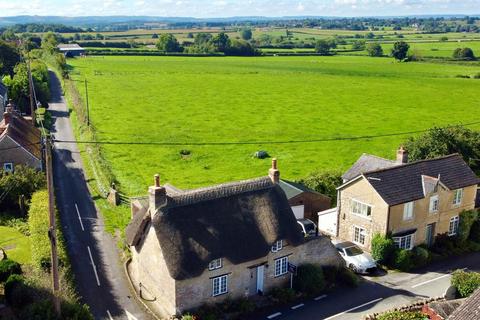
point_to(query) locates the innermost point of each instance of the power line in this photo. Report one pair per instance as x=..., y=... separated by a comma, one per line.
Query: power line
x=326, y=139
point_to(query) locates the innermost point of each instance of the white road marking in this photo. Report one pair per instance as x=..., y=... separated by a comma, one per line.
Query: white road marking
x=130, y=316
x=298, y=306
x=352, y=309
x=274, y=315
x=320, y=297
x=109, y=315
x=79, y=218
x=428, y=281
x=93, y=266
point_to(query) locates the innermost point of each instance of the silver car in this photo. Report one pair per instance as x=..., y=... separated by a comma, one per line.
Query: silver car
x=355, y=258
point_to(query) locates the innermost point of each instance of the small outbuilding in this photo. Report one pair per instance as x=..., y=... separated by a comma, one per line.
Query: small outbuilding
x=71, y=50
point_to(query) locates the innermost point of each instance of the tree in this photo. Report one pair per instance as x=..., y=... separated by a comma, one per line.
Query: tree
x=202, y=38
x=374, y=50
x=464, y=54
x=323, y=47
x=358, y=45
x=49, y=42
x=154, y=36
x=246, y=34
x=444, y=141
x=241, y=48
x=168, y=43
x=325, y=182
x=400, y=50
x=221, y=42
x=9, y=57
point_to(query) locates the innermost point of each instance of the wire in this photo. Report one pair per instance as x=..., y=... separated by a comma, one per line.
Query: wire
x=327, y=139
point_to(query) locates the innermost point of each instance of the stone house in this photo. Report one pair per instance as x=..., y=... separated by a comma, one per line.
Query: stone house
x=19, y=142
x=305, y=202
x=205, y=245
x=414, y=202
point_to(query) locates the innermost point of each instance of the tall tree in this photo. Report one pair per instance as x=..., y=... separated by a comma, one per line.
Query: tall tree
x=323, y=47
x=246, y=34
x=49, y=42
x=221, y=42
x=374, y=50
x=9, y=57
x=400, y=50
x=168, y=43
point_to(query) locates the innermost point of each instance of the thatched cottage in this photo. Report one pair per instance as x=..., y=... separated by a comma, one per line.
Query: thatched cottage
x=227, y=241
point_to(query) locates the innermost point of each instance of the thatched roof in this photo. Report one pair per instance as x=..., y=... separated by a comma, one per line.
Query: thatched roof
x=237, y=221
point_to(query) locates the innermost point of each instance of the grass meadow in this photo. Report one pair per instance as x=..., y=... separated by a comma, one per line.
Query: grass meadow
x=16, y=245
x=265, y=102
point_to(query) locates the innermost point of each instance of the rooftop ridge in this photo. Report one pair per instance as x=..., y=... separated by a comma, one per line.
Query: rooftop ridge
x=218, y=191
x=378, y=157
x=412, y=163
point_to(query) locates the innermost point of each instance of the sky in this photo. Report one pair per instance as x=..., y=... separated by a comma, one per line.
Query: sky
x=229, y=8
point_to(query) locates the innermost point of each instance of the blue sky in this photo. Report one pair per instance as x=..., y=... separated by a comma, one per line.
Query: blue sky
x=228, y=8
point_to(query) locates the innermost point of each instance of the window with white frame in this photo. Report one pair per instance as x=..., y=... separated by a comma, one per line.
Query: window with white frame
x=281, y=266
x=220, y=285
x=405, y=242
x=457, y=197
x=277, y=246
x=408, y=210
x=215, y=264
x=434, y=203
x=453, y=227
x=360, y=208
x=8, y=167
x=359, y=235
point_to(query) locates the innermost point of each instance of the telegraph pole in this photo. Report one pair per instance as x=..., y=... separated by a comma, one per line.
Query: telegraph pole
x=52, y=234
x=30, y=86
x=86, y=95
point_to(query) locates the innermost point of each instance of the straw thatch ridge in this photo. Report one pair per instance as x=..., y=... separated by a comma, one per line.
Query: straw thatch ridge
x=237, y=221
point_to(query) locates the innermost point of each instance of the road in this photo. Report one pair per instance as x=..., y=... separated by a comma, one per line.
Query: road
x=376, y=294
x=99, y=273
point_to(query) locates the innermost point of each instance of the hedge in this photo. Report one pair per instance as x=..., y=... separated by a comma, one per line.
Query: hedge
x=403, y=260
x=465, y=282
x=382, y=248
x=310, y=279
x=38, y=222
x=467, y=218
x=402, y=315
x=17, y=293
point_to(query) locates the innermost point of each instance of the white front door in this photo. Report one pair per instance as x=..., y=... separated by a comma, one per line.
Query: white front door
x=260, y=274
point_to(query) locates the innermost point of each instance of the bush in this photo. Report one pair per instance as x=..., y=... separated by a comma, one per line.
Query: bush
x=475, y=231
x=464, y=54
x=17, y=293
x=330, y=274
x=282, y=295
x=7, y=268
x=38, y=222
x=347, y=277
x=76, y=311
x=402, y=315
x=467, y=218
x=476, y=76
x=443, y=245
x=42, y=309
x=465, y=282
x=325, y=182
x=310, y=279
x=382, y=248
x=421, y=257
x=403, y=260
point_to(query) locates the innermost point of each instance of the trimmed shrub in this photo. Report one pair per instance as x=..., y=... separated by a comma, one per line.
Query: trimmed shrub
x=330, y=274
x=7, y=268
x=403, y=260
x=310, y=279
x=443, y=245
x=465, y=282
x=402, y=315
x=421, y=257
x=467, y=218
x=347, y=277
x=282, y=295
x=382, y=248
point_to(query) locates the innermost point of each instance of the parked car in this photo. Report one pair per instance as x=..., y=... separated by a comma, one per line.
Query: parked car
x=355, y=258
x=309, y=228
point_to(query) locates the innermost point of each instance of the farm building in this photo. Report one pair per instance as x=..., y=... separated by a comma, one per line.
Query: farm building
x=71, y=50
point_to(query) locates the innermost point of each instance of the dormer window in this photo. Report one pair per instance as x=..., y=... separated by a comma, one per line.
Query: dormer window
x=457, y=197
x=215, y=264
x=277, y=246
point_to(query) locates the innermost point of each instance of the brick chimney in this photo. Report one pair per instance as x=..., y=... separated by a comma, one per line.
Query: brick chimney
x=7, y=115
x=402, y=155
x=273, y=172
x=157, y=195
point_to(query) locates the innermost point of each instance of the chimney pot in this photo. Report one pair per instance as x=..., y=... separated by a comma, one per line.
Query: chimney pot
x=274, y=173
x=157, y=195
x=157, y=180
x=402, y=155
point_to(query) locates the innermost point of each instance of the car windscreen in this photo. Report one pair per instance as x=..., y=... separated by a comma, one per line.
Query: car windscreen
x=353, y=251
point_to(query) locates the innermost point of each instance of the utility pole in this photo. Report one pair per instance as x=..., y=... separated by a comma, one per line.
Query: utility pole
x=52, y=234
x=86, y=95
x=30, y=86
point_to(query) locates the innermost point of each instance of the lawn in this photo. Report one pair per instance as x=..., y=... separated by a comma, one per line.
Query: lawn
x=266, y=102
x=16, y=245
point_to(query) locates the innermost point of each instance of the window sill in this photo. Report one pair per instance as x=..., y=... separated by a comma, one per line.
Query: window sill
x=361, y=216
x=220, y=294
x=280, y=275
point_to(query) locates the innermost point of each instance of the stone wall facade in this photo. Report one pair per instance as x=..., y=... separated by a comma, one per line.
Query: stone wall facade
x=17, y=155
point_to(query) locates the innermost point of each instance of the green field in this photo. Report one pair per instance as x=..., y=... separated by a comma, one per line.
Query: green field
x=262, y=100
x=16, y=245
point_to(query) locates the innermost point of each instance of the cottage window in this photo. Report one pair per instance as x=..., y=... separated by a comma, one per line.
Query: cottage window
x=457, y=197
x=281, y=266
x=453, y=227
x=405, y=242
x=215, y=264
x=434, y=204
x=359, y=235
x=277, y=246
x=220, y=285
x=360, y=208
x=408, y=210
x=8, y=167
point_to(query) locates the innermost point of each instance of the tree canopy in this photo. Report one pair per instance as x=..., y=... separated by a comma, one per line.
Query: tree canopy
x=325, y=182
x=464, y=54
x=400, y=50
x=168, y=43
x=9, y=57
x=246, y=34
x=323, y=46
x=374, y=49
